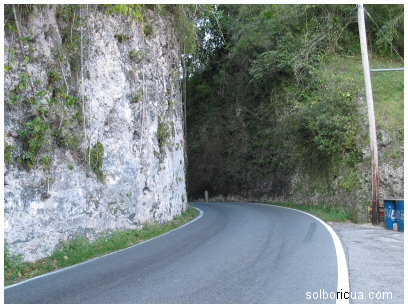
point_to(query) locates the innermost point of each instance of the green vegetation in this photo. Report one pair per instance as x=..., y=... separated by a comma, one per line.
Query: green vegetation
x=186, y=16
x=42, y=112
x=96, y=160
x=80, y=249
x=68, y=18
x=332, y=213
x=388, y=91
x=33, y=135
x=138, y=55
x=134, y=11
x=22, y=10
x=8, y=158
x=271, y=90
x=274, y=91
x=163, y=134
x=122, y=38
x=388, y=87
x=49, y=115
x=148, y=30
x=53, y=77
x=350, y=182
x=138, y=97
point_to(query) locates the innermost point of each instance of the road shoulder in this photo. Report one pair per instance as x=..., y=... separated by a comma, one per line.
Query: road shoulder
x=375, y=258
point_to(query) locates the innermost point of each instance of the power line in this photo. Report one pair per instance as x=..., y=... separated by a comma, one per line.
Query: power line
x=386, y=20
x=392, y=46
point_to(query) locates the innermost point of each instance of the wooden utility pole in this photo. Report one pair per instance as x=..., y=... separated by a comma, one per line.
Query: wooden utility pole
x=375, y=208
x=184, y=97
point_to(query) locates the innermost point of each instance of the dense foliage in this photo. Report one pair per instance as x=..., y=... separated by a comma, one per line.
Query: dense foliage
x=258, y=101
x=259, y=105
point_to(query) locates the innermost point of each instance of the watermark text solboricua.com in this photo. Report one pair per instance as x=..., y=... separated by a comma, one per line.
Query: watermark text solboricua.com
x=323, y=294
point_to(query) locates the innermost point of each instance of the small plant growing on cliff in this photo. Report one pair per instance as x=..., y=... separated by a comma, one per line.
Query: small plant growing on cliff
x=136, y=55
x=148, y=30
x=132, y=10
x=33, y=136
x=138, y=97
x=45, y=162
x=53, y=77
x=8, y=158
x=163, y=134
x=95, y=156
x=20, y=88
x=132, y=53
x=170, y=105
x=122, y=38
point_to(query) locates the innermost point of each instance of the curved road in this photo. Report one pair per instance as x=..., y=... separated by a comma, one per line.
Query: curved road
x=234, y=253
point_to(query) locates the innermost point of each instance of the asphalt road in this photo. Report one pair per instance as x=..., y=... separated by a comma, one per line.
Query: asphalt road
x=234, y=253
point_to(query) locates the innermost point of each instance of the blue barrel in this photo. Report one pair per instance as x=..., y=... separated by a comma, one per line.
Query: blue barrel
x=400, y=215
x=389, y=214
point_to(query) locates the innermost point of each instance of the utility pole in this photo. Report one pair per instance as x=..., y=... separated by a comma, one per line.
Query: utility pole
x=184, y=97
x=375, y=208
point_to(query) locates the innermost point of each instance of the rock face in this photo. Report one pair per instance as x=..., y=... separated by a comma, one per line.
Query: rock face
x=111, y=153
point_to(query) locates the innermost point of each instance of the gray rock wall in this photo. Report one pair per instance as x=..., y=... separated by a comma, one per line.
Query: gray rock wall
x=131, y=105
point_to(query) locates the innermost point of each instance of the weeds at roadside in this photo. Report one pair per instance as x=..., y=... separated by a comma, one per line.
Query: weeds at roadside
x=328, y=213
x=80, y=249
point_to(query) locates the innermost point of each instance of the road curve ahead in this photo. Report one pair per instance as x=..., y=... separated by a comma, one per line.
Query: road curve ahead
x=234, y=253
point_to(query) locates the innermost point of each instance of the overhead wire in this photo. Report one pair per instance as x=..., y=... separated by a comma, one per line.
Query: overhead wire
x=386, y=20
x=392, y=46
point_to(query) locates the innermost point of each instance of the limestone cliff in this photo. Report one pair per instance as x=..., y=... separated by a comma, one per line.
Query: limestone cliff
x=93, y=125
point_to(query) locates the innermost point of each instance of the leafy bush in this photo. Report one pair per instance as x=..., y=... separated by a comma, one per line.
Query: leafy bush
x=33, y=136
x=327, y=116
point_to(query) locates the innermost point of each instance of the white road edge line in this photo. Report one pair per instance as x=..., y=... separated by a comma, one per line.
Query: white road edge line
x=343, y=285
x=65, y=268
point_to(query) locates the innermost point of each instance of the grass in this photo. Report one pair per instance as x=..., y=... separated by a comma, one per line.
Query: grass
x=388, y=94
x=334, y=214
x=388, y=91
x=80, y=249
x=388, y=87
